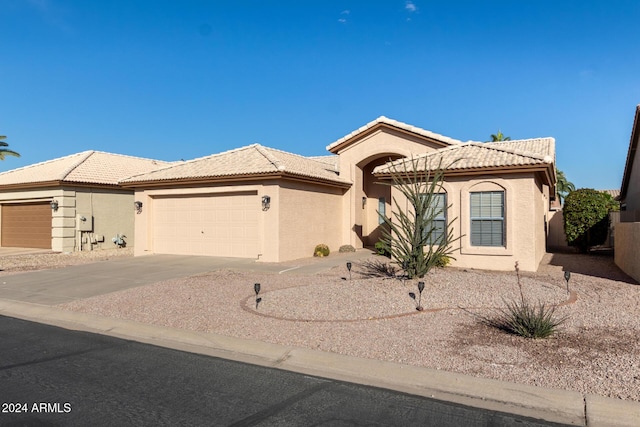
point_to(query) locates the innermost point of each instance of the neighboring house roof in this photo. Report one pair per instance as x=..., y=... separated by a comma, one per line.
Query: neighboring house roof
x=382, y=122
x=631, y=154
x=477, y=155
x=252, y=161
x=87, y=167
x=612, y=193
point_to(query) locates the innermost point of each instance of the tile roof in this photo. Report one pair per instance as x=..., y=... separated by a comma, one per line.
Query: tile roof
x=331, y=159
x=250, y=160
x=477, y=155
x=87, y=167
x=612, y=193
x=385, y=120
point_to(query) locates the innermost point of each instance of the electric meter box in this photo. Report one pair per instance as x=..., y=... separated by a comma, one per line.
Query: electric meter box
x=84, y=222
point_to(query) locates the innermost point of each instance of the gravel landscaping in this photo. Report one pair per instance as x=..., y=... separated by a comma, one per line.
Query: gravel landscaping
x=372, y=316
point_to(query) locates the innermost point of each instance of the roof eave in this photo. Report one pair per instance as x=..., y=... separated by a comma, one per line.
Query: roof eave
x=57, y=183
x=233, y=178
x=545, y=168
x=30, y=185
x=631, y=154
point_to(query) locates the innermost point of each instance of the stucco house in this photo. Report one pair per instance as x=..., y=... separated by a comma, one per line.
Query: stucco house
x=70, y=203
x=627, y=231
x=267, y=204
x=630, y=189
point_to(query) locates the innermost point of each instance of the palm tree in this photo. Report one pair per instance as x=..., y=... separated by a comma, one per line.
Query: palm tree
x=499, y=137
x=5, y=151
x=563, y=186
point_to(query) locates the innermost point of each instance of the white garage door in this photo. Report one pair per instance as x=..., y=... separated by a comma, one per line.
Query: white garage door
x=213, y=225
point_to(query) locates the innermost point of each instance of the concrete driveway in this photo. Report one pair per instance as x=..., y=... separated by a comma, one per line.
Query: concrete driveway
x=60, y=285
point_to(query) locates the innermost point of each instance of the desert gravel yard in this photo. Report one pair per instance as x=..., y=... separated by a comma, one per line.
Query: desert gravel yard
x=597, y=350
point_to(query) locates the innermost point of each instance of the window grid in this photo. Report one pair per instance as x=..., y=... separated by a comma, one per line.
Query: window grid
x=382, y=210
x=487, y=218
x=439, y=224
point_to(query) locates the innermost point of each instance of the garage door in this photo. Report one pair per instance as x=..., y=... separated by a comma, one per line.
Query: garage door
x=26, y=225
x=212, y=225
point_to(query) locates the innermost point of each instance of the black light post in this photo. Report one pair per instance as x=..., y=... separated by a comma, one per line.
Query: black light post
x=420, y=289
x=256, y=287
x=567, y=276
x=413, y=296
x=349, y=268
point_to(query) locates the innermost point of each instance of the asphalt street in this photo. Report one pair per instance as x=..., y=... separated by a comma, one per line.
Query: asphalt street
x=53, y=376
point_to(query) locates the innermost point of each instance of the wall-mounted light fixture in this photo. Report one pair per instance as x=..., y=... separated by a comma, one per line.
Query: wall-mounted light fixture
x=54, y=205
x=266, y=202
x=364, y=201
x=138, y=206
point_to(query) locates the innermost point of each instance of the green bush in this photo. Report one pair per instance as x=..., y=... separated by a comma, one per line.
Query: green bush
x=586, y=217
x=321, y=250
x=346, y=248
x=442, y=261
x=381, y=249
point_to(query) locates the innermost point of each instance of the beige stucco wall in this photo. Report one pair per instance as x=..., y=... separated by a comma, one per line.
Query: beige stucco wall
x=524, y=222
x=309, y=215
x=541, y=199
x=301, y=216
x=382, y=144
x=557, y=238
x=112, y=212
x=627, y=248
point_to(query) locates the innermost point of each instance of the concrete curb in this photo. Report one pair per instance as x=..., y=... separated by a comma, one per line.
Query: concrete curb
x=561, y=406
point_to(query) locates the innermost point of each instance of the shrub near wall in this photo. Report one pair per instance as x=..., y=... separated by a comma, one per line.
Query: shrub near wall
x=586, y=217
x=321, y=250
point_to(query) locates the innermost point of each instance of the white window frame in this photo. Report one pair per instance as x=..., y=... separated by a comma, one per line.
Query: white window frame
x=441, y=218
x=487, y=213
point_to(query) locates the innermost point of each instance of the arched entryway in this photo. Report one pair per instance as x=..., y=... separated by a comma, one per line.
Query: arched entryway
x=376, y=197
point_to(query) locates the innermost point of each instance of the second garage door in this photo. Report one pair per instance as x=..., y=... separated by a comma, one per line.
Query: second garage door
x=26, y=225
x=213, y=225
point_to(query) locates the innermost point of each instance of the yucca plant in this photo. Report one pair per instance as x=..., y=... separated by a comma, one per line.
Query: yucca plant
x=525, y=318
x=528, y=320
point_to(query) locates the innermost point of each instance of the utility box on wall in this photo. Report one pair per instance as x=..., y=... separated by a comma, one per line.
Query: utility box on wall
x=84, y=222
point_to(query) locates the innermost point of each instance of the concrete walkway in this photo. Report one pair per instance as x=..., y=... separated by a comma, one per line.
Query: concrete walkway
x=42, y=289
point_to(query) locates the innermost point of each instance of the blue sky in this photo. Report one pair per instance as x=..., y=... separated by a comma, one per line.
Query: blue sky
x=176, y=80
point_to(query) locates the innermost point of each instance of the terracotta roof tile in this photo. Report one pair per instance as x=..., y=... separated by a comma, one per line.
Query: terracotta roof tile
x=394, y=123
x=88, y=167
x=613, y=193
x=253, y=159
x=477, y=155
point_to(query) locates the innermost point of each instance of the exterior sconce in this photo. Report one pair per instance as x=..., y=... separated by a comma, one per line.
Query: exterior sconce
x=138, y=206
x=266, y=202
x=54, y=205
x=364, y=201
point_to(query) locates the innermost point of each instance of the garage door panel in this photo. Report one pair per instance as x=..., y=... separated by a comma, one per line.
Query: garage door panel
x=213, y=225
x=26, y=225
